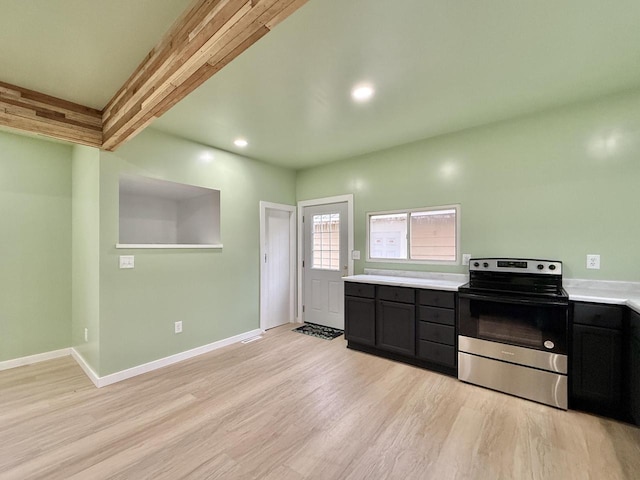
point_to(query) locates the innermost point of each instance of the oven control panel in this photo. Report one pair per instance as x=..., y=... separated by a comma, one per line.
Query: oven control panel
x=516, y=265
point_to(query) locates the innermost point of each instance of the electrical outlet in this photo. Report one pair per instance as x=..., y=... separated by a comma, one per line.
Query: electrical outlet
x=178, y=327
x=465, y=258
x=593, y=262
x=86, y=334
x=355, y=255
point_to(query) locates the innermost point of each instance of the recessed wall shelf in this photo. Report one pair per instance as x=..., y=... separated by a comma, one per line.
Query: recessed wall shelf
x=157, y=213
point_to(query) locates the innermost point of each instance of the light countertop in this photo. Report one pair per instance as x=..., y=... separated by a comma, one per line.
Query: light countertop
x=631, y=299
x=431, y=283
x=610, y=292
x=597, y=296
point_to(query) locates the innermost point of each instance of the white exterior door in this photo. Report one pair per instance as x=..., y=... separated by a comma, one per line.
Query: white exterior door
x=325, y=263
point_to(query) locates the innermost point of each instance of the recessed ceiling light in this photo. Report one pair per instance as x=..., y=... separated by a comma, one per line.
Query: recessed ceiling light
x=362, y=93
x=240, y=142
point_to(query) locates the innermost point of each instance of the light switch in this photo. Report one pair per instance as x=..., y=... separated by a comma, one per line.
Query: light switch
x=126, y=261
x=465, y=258
x=355, y=255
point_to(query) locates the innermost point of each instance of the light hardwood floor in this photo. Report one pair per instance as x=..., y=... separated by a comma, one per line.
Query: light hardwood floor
x=294, y=407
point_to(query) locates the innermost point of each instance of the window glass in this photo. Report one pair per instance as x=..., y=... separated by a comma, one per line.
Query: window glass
x=388, y=236
x=433, y=235
x=416, y=235
x=326, y=241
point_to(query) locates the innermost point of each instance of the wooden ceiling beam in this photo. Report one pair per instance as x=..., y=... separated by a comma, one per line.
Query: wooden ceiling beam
x=203, y=40
x=35, y=112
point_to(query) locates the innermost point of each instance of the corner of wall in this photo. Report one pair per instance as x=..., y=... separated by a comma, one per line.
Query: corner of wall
x=85, y=248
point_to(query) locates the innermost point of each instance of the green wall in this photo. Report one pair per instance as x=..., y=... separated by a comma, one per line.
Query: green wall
x=59, y=205
x=35, y=246
x=560, y=185
x=214, y=292
x=85, y=302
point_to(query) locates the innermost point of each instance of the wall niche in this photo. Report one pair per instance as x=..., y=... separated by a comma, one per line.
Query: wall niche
x=157, y=213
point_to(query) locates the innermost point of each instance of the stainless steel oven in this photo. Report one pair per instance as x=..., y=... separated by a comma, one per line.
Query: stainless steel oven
x=513, y=328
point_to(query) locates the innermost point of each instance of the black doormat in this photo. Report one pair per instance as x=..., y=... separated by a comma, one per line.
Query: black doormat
x=320, y=331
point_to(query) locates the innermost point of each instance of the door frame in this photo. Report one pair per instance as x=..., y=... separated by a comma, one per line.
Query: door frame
x=292, y=256
x=310, y=203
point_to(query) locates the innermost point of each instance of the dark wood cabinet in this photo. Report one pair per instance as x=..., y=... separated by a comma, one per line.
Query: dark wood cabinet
x=396, y=327
x=397, y=294
x=436, y=328
x=411, y=325
x=418, y=326
x=597, y=363
x=634, y=367
x=597, y=359
x=360, y=313
x=437, y=298
x=598, y=315
x=361, y=324
x=363, y=290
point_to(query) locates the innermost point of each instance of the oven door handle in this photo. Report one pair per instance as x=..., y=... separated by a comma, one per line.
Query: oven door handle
x=542, y=302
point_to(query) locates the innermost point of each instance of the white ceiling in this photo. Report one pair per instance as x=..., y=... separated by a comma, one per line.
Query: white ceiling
x=438, y=66
x=79, y=50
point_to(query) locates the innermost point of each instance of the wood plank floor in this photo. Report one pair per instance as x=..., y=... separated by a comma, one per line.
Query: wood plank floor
x=294, y=407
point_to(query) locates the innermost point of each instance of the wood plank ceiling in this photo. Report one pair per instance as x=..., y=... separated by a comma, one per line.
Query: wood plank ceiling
x=205, y=38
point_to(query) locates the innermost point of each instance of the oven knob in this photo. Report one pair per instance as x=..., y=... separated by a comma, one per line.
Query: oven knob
x=540, y=266
x=552, y=267
x=485, y=265
x=549, y=344
x=476, y=264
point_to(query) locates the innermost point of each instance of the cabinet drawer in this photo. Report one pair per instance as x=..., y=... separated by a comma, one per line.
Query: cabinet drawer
x=437, y=333
x=437, y=353
x=607, y=316
x=359, y=289
x=437, y=315
x=397, y=294
x=436, y=298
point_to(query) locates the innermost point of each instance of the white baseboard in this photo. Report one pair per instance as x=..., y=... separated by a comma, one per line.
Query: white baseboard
x=39, y=357
x=85, y=367
x=162, y=362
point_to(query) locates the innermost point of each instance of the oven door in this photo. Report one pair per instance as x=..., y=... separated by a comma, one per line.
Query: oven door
x=527, y=322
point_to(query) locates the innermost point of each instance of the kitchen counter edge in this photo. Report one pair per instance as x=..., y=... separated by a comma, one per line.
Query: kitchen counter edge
x=410, y=282
x=575, y=294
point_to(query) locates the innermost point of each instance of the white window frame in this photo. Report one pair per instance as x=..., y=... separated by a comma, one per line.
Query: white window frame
x=408, y=212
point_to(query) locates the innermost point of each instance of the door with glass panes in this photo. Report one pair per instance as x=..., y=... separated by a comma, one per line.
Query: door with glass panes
x=325, y=263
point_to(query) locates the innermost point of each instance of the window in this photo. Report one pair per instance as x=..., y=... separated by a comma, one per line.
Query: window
x=326, y=241
x=427, y=235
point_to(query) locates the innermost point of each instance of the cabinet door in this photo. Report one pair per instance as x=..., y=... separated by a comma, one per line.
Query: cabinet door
x=396, y=327
x=360, y=320
x=596, y=366
x=634, y=368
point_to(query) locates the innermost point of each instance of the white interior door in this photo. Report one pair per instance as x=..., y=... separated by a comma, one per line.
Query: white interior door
x=325, y=263
x=277, y=271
